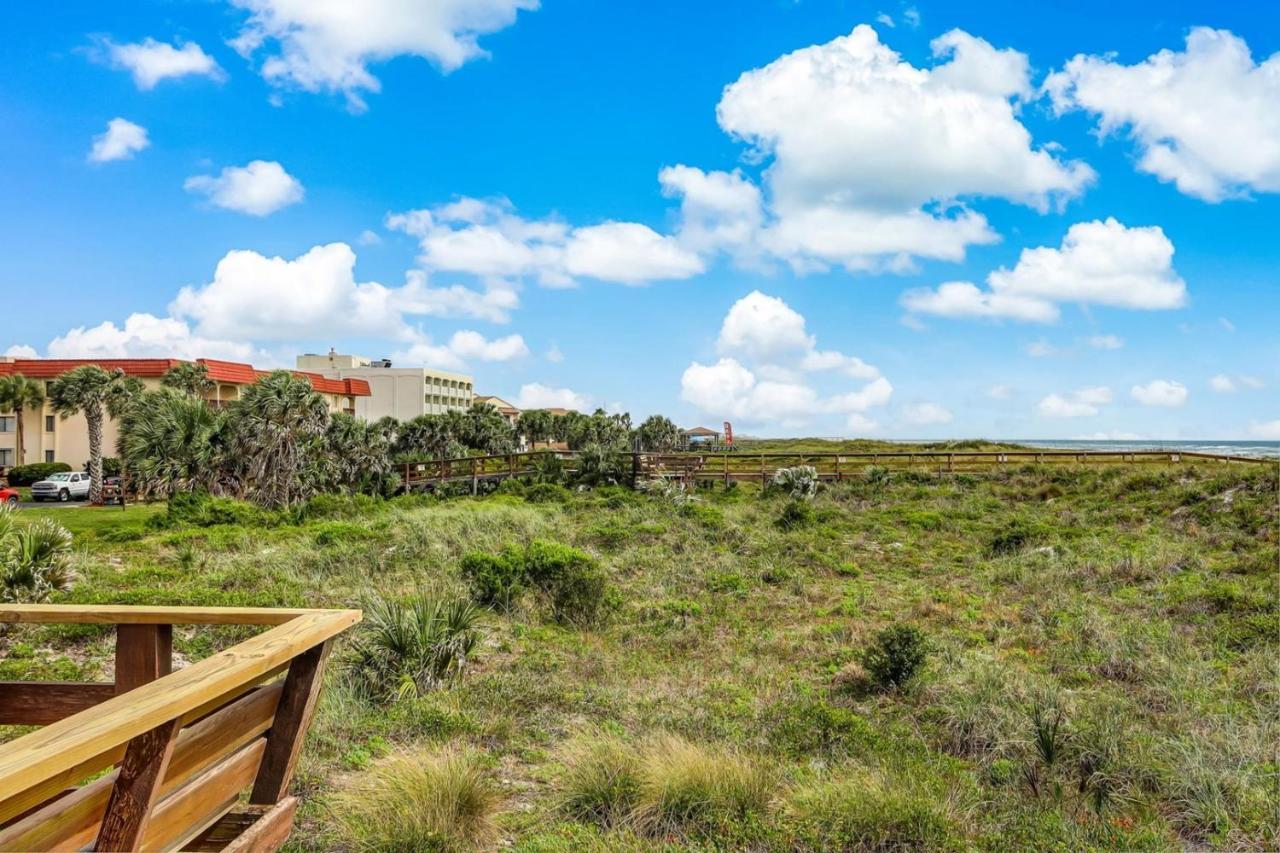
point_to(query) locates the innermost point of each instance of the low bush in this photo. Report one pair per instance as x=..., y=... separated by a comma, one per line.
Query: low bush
x=572, y=581
x=337, y=532
x=200, y=509
x=896, y=656
x=496, y=580
x=796, y=513
x=34, y=559
x=864, y=813
x=547, y=493
x=405, y=648
x=340, y=506
x=806, y=725
x=688, y=791
x=1014, y=537
x=441, y=801
x=600, y=782
x=799, y=481
x=25, y=475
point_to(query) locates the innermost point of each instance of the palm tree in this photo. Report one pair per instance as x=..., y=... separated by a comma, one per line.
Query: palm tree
x=659, y=434
x=535, y=425
x=357, y=453
x=17, y=394
x=173, y=443
x=277, y=427
x=93, y=391
x=188, y=377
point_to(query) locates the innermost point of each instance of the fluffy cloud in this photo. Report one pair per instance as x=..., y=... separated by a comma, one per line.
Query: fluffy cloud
x=462, y=348
x=120, y=141
x=151, y=61
x=488, y=239
x=926, y=414
x=1203, y=118
x=145, y=335
x=259, y=188
x=868, y=154
x=1160, y=392
x=1081, y=403
x=493, y=302
x=1099, y=263
x=772, y=338
x=718, y=210
x=1266, y=431
x=1106, y=342
x=1222, y=384
x=535, y=395
x=21, y=351
x=327, y=45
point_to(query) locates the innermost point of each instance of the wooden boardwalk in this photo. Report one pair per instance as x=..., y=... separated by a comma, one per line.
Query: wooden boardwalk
x=743, y=466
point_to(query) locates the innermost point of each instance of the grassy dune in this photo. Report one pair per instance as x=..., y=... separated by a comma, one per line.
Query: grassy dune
x=1100, y=670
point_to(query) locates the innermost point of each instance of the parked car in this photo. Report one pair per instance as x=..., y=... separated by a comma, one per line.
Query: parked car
x=62, y=486
x=9, y=496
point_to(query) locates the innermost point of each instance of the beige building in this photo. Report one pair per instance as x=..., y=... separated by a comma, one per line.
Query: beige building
x=400, y=392
x=509, y=412
x=46, y=437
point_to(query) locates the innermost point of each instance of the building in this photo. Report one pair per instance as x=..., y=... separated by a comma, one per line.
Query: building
x=509, y=412
x=49, y=438
x=400, y=392
x=700, y=435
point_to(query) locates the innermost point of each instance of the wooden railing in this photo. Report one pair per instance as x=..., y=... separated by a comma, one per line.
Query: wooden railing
x=184, y=744
x=759, y=467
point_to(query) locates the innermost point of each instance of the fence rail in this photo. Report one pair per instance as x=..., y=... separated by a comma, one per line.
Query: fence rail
x=184, y=744
x=747, y=466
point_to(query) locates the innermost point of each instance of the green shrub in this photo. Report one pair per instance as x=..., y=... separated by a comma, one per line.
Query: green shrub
x=547, y=493
x=1014, y=537
x=337, y=532
x=405, y=648
x=800, y=482
x=600, y=782
x=687, y=790
x=808, y=725
x=896, y=656
x=25, y=475
x=200, y=509
x=34, y=559
x=548, y=469
x=339, y=506
x=496, y=580
x=866, y=814
x=571, y=580
x=129, y=533
x=441, y=801
x=797, y=513
x=710, y=517
x=598, y=466
x=512, y=486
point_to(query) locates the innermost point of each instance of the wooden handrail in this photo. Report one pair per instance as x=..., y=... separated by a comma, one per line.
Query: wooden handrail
x=112, y=614
x=68, y=743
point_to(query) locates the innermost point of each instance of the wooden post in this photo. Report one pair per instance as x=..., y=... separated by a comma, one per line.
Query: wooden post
x=406, y=478
x=293, y=715
x=839, y=477
x=635, y=469
x=145, y=761
x=725, y=457
x=143, y=654
x=475, y=476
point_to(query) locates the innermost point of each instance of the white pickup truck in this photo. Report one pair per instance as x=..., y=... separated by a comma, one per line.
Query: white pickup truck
x=62, y=486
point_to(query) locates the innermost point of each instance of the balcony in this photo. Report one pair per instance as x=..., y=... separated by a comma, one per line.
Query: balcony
x=184, y=745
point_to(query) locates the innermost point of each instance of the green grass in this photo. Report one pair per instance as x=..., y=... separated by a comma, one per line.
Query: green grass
x=728, y=700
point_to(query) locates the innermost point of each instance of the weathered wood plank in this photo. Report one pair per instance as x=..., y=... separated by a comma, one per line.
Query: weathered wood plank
x=186, y=812
x=39, y=703
x=143, y=653
x=293, y=717
x=137, y=786
x=82, y=738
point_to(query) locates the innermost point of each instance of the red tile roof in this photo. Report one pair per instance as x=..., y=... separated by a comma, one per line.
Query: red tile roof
x=229, y=372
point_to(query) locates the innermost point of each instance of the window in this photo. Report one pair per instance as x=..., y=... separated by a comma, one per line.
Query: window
x=7, y=422
x=48, y=425
x=48, y=456
x=6, y=457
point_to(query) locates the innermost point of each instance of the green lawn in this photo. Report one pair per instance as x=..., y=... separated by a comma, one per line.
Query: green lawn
x=729, y=701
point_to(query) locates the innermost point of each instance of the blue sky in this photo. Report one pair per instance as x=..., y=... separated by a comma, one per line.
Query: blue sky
x=820, y=218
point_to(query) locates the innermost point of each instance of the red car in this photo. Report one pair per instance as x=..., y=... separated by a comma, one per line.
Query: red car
x=8, y=496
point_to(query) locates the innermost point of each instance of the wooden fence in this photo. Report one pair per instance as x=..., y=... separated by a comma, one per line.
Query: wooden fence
x=745, y=466
x=184, y=744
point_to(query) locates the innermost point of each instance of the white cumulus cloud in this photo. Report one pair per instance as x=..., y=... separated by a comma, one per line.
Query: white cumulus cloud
x=1222, y=384
x=535, y=395
x=151, y=61
x=120, y=141
x=1081, y=403
x=146, y=336
x=328, y=45
x=1099, y=263
x=259, y=188
x=1204, y=118
x=486, y=238
x=1265, y=431
x=1160, y=392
